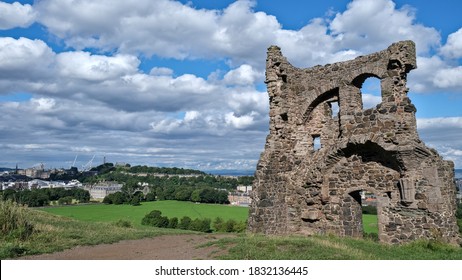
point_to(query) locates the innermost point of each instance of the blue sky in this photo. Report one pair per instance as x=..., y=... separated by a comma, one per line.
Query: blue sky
x=180, y=83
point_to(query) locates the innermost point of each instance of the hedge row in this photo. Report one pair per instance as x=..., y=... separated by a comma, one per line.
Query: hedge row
x=155, y=219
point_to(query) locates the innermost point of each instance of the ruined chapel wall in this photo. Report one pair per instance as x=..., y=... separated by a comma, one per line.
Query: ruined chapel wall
x=300, y=189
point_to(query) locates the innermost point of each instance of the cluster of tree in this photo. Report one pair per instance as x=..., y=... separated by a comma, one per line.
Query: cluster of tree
x=42, y=197
x=126, y=198
x=104, y=168
x=201, y=194
x=229, y=226
x=130, y=195
x=155, y=219
x=163, y=170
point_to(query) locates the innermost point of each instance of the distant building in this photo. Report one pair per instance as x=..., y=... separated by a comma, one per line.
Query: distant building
x=244, y=189
x=38, y=184
x=239, y=199
x=35, y=172
x=41, y=184
x=103, y=189
x=241, y=196
x=368, y=199
x=14, y=186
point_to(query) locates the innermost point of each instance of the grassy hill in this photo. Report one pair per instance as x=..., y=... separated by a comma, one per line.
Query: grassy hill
x=52, y=233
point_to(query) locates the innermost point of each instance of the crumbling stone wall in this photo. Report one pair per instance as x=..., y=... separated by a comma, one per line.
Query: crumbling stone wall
x=304, y=189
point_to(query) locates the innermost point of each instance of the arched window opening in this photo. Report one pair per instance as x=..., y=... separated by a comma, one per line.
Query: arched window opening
x=330, y=97
x=371, y=93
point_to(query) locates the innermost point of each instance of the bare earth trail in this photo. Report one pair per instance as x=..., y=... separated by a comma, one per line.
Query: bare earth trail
x=166, y=247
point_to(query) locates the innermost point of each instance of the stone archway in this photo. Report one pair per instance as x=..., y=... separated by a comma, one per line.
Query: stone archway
x=342, y=186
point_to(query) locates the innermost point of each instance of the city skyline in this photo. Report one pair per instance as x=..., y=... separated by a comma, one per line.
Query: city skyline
x=181, y=83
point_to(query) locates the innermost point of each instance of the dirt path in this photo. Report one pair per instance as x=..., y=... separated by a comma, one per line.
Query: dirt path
x=167, y=247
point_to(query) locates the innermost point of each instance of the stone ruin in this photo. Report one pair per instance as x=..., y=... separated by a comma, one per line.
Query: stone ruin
x=302, y=188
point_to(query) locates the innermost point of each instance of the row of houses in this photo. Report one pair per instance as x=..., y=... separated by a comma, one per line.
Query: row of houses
x=97, y=191
x=40, y=184
x=241, y=197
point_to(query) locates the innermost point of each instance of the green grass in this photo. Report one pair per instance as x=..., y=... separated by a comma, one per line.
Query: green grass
x=370, y=223
x=53, y=233
x=169, y=208
x=257, y=247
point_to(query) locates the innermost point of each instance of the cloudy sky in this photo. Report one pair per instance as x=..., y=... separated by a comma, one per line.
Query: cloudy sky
x=180, y=83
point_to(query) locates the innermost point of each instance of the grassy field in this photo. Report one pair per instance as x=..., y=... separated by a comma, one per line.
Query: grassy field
x=169, y=208
x=55, y=233
x=370, y=223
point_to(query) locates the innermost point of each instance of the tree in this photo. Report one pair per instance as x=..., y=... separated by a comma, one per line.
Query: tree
x=119, y=198
x=173, y=222
x=65, y=200
x=222, y=197
x=183, y=194
x=108, y=199
x=151, y=217
x=151, y=196
x=81, y=195
x=135, y=201
x=184, y=223
x=230, y=225
x=196, y=196
x=218, y=224
x=202, y=225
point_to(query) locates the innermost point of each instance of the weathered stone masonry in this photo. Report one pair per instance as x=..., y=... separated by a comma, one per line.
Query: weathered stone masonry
x=302, y=189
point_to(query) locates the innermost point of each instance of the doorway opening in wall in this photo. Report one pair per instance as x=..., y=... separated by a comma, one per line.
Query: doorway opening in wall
x=371, y=93
x=369, y=215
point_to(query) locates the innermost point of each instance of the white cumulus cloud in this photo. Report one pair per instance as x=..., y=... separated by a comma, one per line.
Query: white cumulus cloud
x=243, y=75
x=84, y=65
x=16, y=15
x=453, y=46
